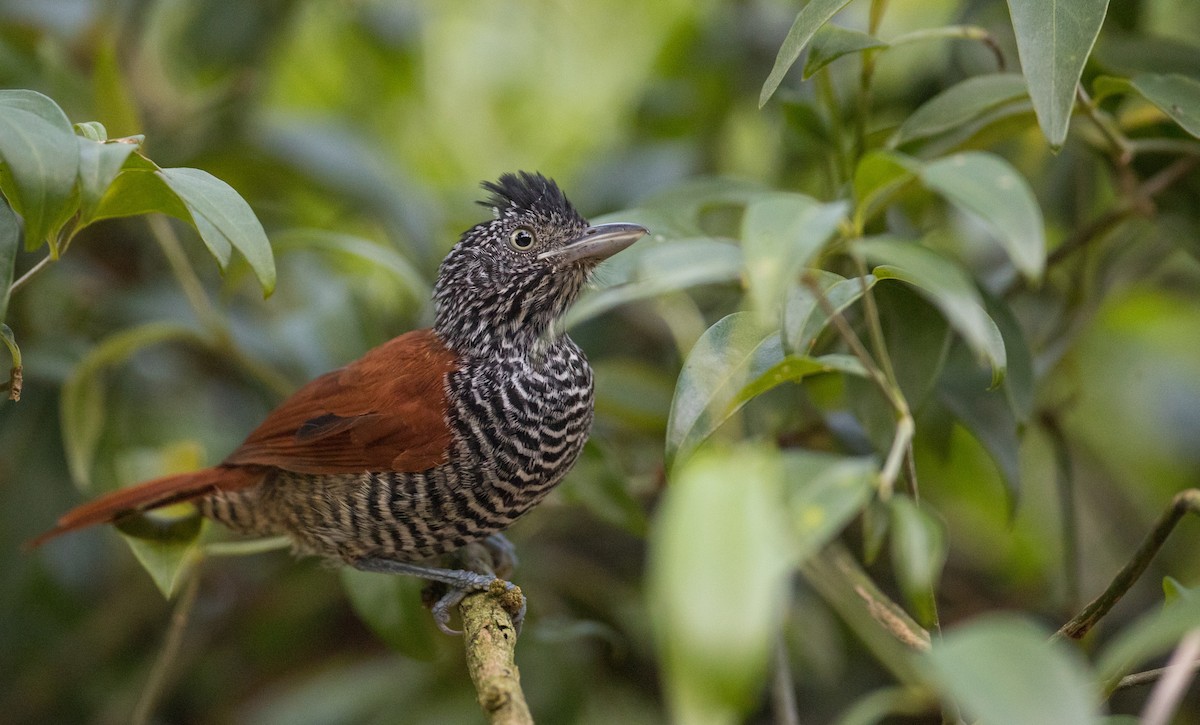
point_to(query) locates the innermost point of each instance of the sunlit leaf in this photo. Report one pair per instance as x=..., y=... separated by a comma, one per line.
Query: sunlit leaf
x=717, y=601
x=919, y=551
x=1054, y=39
x=1002, y=669
x=82, y=406
x=1150, y=635
x=989, y=187
x=824, y=493
x=810, y=18
x=948, y=288
x=831, y=42
x=224, y=219
x=391, y=606
x=1178, y=96
x=780, y=235
x=803, y=316
x=40, y=160
x=959, y=104
x=731, y=353
x=10, y=246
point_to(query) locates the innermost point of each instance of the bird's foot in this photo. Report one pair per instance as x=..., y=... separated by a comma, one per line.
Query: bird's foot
x=504, y=554
x=509, y=594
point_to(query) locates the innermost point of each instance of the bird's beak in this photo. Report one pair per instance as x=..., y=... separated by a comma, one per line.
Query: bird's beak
x=596, y=243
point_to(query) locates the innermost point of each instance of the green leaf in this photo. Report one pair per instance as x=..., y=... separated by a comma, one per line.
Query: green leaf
x=717, y=601
x=879, y=174
x=729, y=354
x=348, y=245
x=1149, y=636
x=92, y=131
x=99, y=164
x=831, y=42
x=169, y=561
x=803, y=316
x=1003, y=669
x=1054, y=39
x=82, y=406
x=793, y=369
x=224, y=219
x=391, y=606
x=659, y=269
x=781, y=234
x=10, y=245
x=138, y=191
x=989, y=187
x=810, y=19
x=948, y=288
x=824, y=493
x=959, y=104
x=919, y=551
x=1178, y=96
x=40, y=160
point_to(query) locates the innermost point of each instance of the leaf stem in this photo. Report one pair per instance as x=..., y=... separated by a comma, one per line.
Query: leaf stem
x=24, y=279
x=965, y=32
x=1184, y=502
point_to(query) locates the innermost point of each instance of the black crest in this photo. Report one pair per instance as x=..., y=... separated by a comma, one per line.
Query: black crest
x=526, y=192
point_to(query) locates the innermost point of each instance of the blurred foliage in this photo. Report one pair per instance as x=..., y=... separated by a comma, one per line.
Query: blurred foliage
x=1007, y=397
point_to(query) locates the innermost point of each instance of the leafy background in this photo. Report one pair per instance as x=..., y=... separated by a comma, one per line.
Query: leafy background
x=357, y=132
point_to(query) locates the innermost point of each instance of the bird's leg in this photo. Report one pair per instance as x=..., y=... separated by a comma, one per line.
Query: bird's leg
x=504, y=554
x=460, y=582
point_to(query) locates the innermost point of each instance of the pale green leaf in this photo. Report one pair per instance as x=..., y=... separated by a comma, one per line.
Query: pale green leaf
x=824, y=493
x=1149, y=636
x=948, y=288
x=39, y=160
x=717, y=599
x=99, y=164
x=989, y=187
x=348, y=245
x=391, y=606
x=1004, y=670
x=804, y=317
x=1178, y=96
x=10, y=246
x=224, y=219
x=831, y=42
x=793, y=369
x=728, y=355
x=169, y=561
x=1054, y=39
x=919, y=552
x=810, y=18
x=959, y=104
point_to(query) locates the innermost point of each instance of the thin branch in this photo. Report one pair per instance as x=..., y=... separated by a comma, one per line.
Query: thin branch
x=1142, y=678
x=1184, y=502
x=24, y=279
x=1164, y=700
x=156, y=683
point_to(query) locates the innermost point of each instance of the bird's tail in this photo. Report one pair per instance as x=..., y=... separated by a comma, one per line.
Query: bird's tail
x=152, y=494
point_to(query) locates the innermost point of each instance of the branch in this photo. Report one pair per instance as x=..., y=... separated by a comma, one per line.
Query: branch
x=1184, y=502
x=491, y=642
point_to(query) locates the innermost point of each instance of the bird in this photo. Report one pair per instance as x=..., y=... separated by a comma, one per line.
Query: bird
x=433, y=440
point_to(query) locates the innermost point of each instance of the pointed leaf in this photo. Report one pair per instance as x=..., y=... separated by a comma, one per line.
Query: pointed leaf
x=717, y=601
x=1178, y=96
x=918, y=554
x=99, y=164
x=729, y=354
x=224, y=219
x=169, y=562
x=948, y=288
x=810, y=18
x=795, y=368
x=803, y=316
x=1054, y=39
x=1002, y=669
x=832, y=42
x=824, y=493
x=781, y=234
x=1151, y=635
x=10, y=245
x=960, y=104
x=39, y=162
x=988, y=186
x=391, y=606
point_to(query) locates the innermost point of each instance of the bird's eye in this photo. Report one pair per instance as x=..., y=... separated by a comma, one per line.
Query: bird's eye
x=521, y=239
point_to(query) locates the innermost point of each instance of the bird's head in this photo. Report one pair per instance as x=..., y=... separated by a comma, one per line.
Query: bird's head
x=510, y=278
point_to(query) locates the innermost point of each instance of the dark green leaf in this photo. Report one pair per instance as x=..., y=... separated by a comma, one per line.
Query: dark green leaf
x=919, y=550
x=810, y=19
x=717, y=601
x=1178, y=96
x=781, y=234
x=1054, y=39
x=82, y=406
x=728, y=355
x=948, y=288
x=391, y=606
x=917, y=338
x=10, y=245
x=224, y=219
x=1150, y=635
x=40, y=163
x=803, y=316
x=960, y=104
x=1002, y=669
x=824, y=493
x=989, y=187
x=831, y=42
